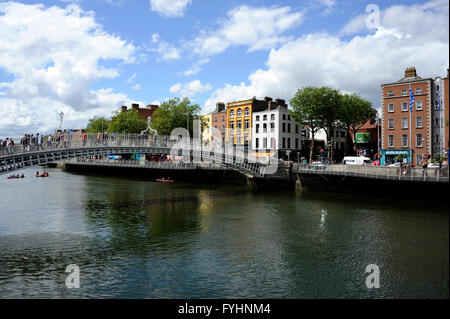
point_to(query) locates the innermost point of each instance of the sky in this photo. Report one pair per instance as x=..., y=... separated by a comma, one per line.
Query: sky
x=86, y=58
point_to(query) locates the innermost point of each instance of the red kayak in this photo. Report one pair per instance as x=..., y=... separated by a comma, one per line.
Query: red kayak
x=165, y=180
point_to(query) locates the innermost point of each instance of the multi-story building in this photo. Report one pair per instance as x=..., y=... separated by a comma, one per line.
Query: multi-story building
x=440, y=126
x=219, y=120
x=239, y=120
x=274, y=130
x=367, y=138
x=407, y=132
x=206, y=128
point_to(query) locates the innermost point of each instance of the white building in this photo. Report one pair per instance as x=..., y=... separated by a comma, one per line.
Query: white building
x=274, y=129
x=337, y=137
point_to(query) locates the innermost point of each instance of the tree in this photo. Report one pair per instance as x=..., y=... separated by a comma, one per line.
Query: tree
x=329, y=103
x=354, y=113
x=175, y=113
x=306, y=111
x=127, y=122
x=98, y=124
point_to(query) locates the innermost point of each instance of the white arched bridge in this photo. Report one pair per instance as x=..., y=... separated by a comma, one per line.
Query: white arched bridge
x=65, y=147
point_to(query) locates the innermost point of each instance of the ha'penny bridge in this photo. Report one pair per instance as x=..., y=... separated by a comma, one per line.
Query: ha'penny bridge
x=93, y=153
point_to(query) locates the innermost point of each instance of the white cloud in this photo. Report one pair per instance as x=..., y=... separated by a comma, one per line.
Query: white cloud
x=137, y=87
x=54, y=55
x=190, y=89
x=166, y=51
x=196, y=67
x=170, y=8
x=256, y=28
x=360, y=64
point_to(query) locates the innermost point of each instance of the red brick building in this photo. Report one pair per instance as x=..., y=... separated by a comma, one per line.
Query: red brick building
x=404, y=132
x=366, y=139
x=143, y=112
x=219, y=119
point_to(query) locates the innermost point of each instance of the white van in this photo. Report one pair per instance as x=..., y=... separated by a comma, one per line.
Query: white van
x=356, y=160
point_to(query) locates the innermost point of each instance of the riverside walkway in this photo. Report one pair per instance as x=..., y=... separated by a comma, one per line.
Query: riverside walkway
x=434, y=175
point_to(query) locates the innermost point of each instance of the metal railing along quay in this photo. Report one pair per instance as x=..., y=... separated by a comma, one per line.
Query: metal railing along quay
x=378, y=172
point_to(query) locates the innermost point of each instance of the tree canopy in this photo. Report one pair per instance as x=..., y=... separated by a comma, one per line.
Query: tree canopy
x=98, y=124
x=175, y=113
x=127, y=122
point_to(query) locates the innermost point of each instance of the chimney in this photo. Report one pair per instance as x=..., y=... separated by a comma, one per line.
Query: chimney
x=123, y=108
x=220, y=106
x=134, y=106
x=152, y=108
x=410, y=72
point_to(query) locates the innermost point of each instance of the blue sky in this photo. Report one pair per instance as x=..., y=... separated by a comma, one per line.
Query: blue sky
x=88, y=57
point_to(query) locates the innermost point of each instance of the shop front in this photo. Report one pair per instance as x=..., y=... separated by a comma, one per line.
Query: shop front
x=392, y=156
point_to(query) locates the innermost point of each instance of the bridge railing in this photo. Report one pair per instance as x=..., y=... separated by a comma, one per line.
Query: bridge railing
x=69, y=141
x=379, y=172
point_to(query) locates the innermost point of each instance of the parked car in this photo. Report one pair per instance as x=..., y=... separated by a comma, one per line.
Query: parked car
x=433, y=165
x=317, y=164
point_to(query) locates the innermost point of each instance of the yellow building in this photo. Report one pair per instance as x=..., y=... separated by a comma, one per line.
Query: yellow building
x=239, y=119
x=206, y=129
x=239, y=122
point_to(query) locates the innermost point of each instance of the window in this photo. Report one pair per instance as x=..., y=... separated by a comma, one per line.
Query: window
x=231, y=113
x=437, y=121
x=223, y=128
x=419, y=122
x=390, y=140
x=247, y=111
x=391, y=124
x=265, y=117
x=391, y=107
x=223, y=118
x=296, y=143
x=257, y=118
x=405, y=122
x=288, y=143
x=284, y=142
x=284, y=128
x=404, y=92
x=257, y=128
x=239, y=125
x=404, y=106
x=246, y=124
x=418, y=105
x=272, y=117
x=390, y=93
x=265, y=142
x=289, y=128
x=264, y=128
x=231, y=140
x=289, y=117
x=239, y=113
x=272, y=127
x=232, y=125
x=437, y=138
x=418, y=91
x=256, y=142
x=284, y=116
x=238, y=139
x=419, y=158
x=419, y=140
x=296, y=129
x=404, y=140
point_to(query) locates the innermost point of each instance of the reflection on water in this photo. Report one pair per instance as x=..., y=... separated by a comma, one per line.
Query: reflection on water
x=140, y=239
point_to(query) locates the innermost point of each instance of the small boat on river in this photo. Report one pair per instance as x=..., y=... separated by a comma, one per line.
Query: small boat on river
x=165, y=180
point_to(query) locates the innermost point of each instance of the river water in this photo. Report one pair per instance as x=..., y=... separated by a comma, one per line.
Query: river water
x=136, y=238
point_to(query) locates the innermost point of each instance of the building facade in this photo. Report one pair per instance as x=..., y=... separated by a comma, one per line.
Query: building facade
x=144, y=113
x=407, y=132
x=239, y=119
x=206, y=128
x=219, y=120
x=274, y=130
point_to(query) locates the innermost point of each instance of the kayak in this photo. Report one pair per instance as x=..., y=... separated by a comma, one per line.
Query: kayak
x=165, y=180
x=14, y=177
x=41, y=175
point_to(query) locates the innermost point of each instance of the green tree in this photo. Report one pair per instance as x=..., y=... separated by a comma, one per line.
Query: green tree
x=306, y=110
x=127, y=122
x=98, y=124
x=175, y=113
x=354, y=113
